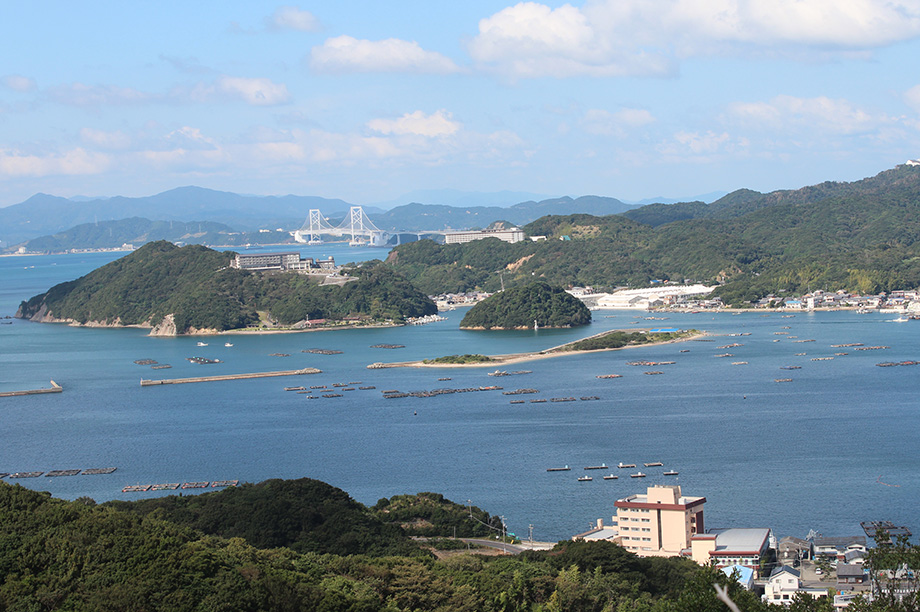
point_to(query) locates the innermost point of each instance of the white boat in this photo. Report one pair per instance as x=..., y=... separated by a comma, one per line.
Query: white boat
x=202, y=344
x=228, y=344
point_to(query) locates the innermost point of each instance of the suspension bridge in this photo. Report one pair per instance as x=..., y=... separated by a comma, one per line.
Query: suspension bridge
x=356, y=225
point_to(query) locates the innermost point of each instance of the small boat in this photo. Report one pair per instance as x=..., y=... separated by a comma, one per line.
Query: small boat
x=653, y=464
x=202, y=344
x=562, y=469
x=637, y=475
x=584, y=478
x=228, y=344
x=611, y=477
x=670, y=473
x=626, y=465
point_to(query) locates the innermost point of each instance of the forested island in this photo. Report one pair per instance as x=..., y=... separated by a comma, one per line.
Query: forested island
x=193, y=289
x=524, y=307
x=862, y=237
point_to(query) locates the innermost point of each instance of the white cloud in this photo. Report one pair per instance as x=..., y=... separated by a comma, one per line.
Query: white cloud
x=606, y=123
x=912, y=97
x=418, y=123
x=105, y=140
x=80, y=94
x=347, y=54
x=74, y=162
x=257, y=91
x=20, y=83
x=293, y=18
x=530, y=40
x=702, y=147
x=638, y=37
x=822, y=113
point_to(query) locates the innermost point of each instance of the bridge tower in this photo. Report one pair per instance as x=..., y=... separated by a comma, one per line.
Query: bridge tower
x=316, y=226
x=356, y=225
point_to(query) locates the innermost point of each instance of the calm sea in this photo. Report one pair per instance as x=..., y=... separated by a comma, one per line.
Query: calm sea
x=835, y=446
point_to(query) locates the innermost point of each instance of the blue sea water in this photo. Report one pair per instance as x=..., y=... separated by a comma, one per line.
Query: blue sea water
x=833, y=447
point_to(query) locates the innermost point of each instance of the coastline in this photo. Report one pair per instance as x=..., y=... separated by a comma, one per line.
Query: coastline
x=513, y=358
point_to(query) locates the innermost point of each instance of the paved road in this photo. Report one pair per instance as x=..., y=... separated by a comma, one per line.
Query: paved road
x=511, y=549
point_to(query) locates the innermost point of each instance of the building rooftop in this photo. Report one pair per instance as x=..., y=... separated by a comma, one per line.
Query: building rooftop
x=841, y=542
x=741, y=540
x=786, y=569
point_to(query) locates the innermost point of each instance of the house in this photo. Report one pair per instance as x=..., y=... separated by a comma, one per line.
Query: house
x=850, y=574
x=792, y=548
x=784, y=583
x=836, y=548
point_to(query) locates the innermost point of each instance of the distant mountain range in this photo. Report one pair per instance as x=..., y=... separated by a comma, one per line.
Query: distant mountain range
x=462, y=199
x=432, y=217
x=45, y=216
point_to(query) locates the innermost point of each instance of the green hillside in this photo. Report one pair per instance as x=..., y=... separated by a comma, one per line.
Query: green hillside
x=168, y=555
x=522, y=306
x=196, y=285
x=862, y=237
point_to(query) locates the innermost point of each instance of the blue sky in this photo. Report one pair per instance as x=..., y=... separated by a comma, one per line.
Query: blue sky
x=365, y=101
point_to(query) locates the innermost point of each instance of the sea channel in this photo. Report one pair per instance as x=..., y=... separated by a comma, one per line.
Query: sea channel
x=831, y=447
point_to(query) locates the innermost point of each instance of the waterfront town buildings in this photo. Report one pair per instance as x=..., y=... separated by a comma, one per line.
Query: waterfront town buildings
x=665, y=522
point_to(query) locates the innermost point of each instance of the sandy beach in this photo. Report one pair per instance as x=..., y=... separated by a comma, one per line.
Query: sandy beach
x=513, y=358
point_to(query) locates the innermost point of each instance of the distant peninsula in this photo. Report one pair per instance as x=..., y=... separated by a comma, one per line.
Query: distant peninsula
x=193, y=290
x=535, y=304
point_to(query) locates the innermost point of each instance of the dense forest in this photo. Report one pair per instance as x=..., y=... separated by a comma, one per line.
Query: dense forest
x=862, y=237
x=523, y=307
x=292, y=553
x=304, y=545
x=197, y=287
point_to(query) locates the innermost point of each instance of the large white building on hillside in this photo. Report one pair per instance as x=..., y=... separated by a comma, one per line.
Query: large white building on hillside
x=508, y=235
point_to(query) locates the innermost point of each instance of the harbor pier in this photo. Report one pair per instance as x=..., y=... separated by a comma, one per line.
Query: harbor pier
x=222, y=377
x=55, y=388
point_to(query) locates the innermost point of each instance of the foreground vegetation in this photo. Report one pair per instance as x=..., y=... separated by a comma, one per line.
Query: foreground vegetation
x=862, y=237
x=304, y=545
x=196, y=286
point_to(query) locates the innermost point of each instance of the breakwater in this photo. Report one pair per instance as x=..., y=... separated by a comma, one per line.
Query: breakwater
x=222, y=377
x=55, y=388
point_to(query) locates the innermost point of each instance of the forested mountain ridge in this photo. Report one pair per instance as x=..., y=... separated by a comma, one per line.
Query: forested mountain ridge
x=743, y=201
x=862, y=237
x=196, y=287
